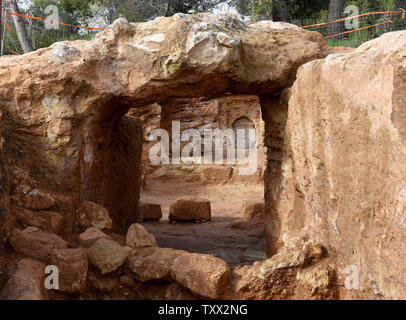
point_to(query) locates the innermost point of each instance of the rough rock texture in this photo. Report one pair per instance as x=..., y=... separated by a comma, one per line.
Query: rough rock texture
x=36, y=243
x=64, y=105
x=90, y=236
x=251, y=210
x=202, y=114
x=114, y=179
x=299, y=272
x=47, y=221
x=149, y=211
x=344, y=170
x=153, y=263
x=5, y=219
x=38, y=200
x=190, y=210
x=72, y=265
x=138, y=236
x=176, y=292
x=26, y=283
x=108, y=255
x=104, y=283
x=288, y=259
x=91, y=214
x=203, y=274
x=318, y=281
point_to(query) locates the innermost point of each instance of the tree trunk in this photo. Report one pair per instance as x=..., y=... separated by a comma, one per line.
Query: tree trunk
x=335, y=12
x=20, y=27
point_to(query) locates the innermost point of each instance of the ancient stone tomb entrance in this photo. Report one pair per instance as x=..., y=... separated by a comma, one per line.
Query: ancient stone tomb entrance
x=228, y=220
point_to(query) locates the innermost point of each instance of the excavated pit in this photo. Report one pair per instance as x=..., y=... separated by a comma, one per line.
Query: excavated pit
x=72, y=145
x=227, y=236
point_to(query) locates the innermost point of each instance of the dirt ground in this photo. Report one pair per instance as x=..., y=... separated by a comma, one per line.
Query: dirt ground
x=227, y=236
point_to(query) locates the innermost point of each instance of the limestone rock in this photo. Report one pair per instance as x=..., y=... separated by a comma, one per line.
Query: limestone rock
x=5, y=215
x=203, y=274
x=149, y=211
x=138, y=236
x=108, y=255
x=47, y=221
x=127, y=280
x=36, y=243
x=216, y=175
x=153, y=263
x=250, y=283
x=176, y=292
x=104, y=283
x=91, y=214
x=74, y=139
x=190, y=210
x=72, y=266
x=38, y=200
x=90, y=236
x=252, y=209
x=288, y=259
x=319, y=280
x=26, y=283
x=343, y=177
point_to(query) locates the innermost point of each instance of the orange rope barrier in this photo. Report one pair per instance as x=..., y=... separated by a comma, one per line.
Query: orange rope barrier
x=42, y=19
x=401, y=10
x=347, y=32
x=13, y=52
x=7, y=26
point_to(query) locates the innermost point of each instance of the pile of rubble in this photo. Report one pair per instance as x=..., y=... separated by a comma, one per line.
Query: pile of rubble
x=101, y=263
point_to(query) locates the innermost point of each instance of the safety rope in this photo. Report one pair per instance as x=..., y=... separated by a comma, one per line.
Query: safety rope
x=401, y=10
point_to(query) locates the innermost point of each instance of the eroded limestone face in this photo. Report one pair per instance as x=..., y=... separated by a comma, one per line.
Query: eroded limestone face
x=344, y=176
x=64, y=105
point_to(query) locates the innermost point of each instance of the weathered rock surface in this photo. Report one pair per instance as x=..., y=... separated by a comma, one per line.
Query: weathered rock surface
x=176, y=292
x=319, y=280
x=108, y=255
x=91, y=214
x=288, y=259
x=138, y=236
x=216, y=175
x=69, y=131
x=38, y=200
x=153, y=263
x=104, y=283
x=5, y=217
x=203, y=274
x=72, y=266
x=90, y=236
x=36, y=243
x=252, y=209
x=190, y=210
x=150, y=211
x=344, y=168
x=26, y=283
x=47, y=221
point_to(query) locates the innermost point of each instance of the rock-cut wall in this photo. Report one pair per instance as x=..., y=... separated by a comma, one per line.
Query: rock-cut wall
x=4, y=191
x=64, y=104
x=344, y=169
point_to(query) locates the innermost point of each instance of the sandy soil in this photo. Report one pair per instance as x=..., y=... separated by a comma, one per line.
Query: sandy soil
x=227, y=236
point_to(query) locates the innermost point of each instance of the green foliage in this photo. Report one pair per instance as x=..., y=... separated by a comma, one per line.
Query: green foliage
x=300, y=12
x=261, y=9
